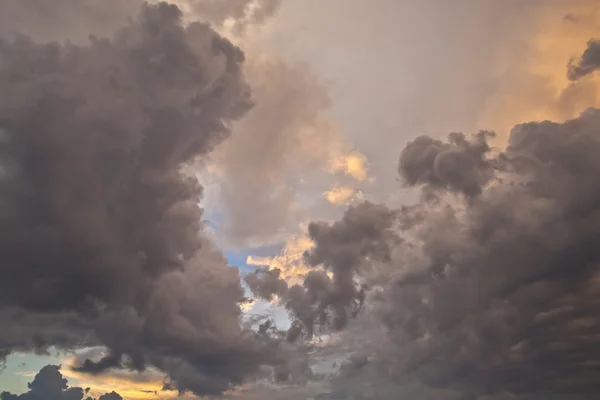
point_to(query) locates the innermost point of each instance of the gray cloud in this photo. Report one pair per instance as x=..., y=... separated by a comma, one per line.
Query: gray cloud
x=329, y=301
x=587, y=63
x=50, y=384
x=100, y=227
x=495, y=295
x=461, y=165
x=266, y=284
x=75, y=20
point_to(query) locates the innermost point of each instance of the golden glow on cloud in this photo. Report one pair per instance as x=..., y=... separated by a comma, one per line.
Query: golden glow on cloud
x=353, y=164
x=289, y=261
x=339, y=195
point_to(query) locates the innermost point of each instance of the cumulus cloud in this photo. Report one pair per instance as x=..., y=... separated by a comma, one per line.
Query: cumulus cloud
x=490, y=296
x=491, y=293
x=266, y=284
x=74, y=20
x=329, y=296
x=50, y=384
x=101, y=232
x=587, y=63
x=459, y=165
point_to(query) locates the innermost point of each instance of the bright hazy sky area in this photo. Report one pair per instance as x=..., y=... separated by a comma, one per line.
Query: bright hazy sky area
x=397, y=199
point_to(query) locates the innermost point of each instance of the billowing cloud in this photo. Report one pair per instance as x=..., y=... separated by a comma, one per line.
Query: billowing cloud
x=459, y=165
x=237, y=15
x=489, y=295
x=483, y=289
x=588, y=63
x=328, y=297
x=101, y=233
x=50, y=384
x=434, y=67
x=74, y=20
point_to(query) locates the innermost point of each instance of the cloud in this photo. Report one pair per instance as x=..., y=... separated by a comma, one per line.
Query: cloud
x=329, y=296
x=414, y=72
x=102, y=241
x=339, y=195
x=287, y=146
x=266, y=284
x=72, y=20
x=489, y=295
x=50, y=384
x=290, y=261
x=459, y=165
x=460, y=295
x=587, y=63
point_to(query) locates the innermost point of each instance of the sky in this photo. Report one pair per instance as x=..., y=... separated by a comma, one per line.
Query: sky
x=299, y=199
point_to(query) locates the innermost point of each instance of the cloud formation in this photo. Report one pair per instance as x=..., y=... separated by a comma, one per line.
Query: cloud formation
x=488, y=295
x=460, y=165
x=485, y=288
x=72, y=20
x=101, y=230
x=587, y=63
x=50, y=384
x=284, y=148
x=328, y=297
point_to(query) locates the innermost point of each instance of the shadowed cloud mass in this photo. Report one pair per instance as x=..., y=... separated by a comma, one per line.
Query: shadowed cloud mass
x=100, y=227
x=488, y=295
x=588, y=63
x=484, y=287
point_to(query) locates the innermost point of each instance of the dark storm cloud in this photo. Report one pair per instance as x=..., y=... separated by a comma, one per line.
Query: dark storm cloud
x=587, y=63
x=266, y=284
x=49, y=384
x=325, y=300
x=340, y=248
x=99, y=223
x=497, y=295
x=459, y=165
x=93, y=145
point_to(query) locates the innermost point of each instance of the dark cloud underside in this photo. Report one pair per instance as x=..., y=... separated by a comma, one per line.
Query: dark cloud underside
x=489, y=294
x=587, y=63
x=99, y=222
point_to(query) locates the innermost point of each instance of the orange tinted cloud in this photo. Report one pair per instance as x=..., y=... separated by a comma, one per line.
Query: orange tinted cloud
x=131, y=386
